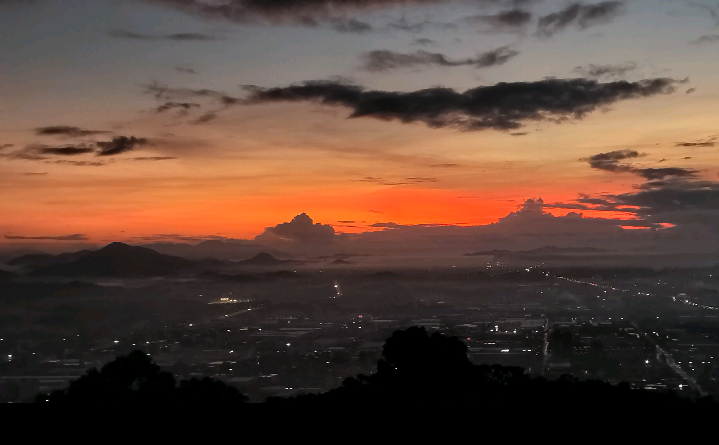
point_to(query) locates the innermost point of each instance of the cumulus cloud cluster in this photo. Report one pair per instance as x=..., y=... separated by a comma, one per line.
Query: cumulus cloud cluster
x=300, y=230
x=672, y=196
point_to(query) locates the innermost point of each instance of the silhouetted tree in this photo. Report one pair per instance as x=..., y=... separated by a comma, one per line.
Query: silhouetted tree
x=133, y=379
x=207, y=390
x=417, y=369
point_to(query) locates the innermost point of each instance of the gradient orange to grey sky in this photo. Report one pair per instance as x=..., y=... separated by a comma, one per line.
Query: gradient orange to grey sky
x=125, y=119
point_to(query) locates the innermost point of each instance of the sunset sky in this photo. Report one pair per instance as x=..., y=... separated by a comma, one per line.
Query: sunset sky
x=172, y=120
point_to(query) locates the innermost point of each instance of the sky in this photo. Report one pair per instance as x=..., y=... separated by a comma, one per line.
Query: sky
x=413, y=124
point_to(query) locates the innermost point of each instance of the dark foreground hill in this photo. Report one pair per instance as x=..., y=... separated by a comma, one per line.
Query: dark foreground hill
x=118, y=260
x=416, y=370
x=134, y=380
x=6, y=274
x=12, y=291
x=45, y=259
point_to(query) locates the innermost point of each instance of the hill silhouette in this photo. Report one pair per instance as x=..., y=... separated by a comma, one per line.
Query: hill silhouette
x=494, y=252
x=554, y=250
x=539, y=251
x=118, y=260
x=221, y=249
x=6, y=274
x=46, y=259
x=265, y=259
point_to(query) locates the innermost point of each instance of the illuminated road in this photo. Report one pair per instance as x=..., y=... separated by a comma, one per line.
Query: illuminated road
x=670, y=360
x=239, y=312
x=545, y=356
x=681, y=300
x=672, y=364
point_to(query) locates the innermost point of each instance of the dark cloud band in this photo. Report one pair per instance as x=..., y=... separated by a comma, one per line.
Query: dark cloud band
x=75, y=237
x=120, y=144
x=64, y=130
x=187, y=37
x=611, y=161
x=504, y=106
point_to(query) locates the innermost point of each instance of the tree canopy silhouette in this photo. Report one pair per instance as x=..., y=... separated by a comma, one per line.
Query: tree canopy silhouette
x=418, y=369
x=135, y=379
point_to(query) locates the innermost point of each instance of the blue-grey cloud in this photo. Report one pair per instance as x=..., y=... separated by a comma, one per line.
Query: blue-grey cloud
x=597, y=71
x=385, y=60
x=580, y=15
x=187, y=37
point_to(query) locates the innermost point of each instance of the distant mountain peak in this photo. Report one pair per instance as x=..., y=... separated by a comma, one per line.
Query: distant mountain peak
x=117, y=259
x=116, y=246
x=262, y=258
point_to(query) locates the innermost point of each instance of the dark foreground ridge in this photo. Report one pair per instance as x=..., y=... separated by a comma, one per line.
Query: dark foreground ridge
x=416, y=369
x=133, y=379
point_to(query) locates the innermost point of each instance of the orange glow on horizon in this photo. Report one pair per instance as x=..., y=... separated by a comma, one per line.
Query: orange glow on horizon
x=244, y=217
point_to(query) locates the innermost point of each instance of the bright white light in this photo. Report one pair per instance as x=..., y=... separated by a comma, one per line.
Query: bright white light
x=288, y=344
